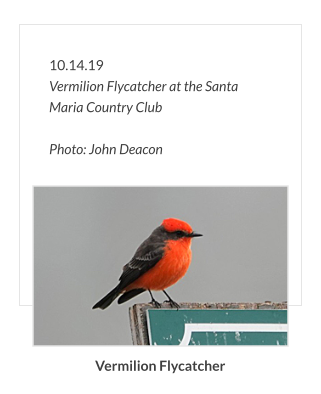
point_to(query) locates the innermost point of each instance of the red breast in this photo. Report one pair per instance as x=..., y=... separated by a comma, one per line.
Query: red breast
x=169, y=269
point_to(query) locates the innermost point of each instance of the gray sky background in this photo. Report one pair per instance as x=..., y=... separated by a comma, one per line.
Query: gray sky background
x=84, y=235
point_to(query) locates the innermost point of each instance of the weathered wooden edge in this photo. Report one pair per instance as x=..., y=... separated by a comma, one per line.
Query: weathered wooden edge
x=138, y=321
x=138, y=324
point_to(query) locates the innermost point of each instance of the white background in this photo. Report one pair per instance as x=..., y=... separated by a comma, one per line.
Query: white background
x=73, y=369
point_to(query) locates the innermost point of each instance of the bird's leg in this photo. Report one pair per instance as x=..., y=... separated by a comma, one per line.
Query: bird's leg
x=172, y=302
x=154, y=302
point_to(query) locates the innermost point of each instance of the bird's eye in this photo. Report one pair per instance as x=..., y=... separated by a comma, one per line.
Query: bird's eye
x=180, y=233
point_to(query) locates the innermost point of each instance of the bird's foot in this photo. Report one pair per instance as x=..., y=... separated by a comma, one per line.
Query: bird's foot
x=155, y=304
x=173, y=304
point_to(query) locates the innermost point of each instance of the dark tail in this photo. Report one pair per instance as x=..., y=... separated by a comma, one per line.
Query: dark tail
x=108, y=299
x=129, y=295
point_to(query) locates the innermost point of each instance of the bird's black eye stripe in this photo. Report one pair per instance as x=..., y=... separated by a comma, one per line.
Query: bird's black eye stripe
x=180, y=233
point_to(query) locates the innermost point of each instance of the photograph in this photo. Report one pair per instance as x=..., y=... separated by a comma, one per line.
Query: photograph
x=160, y=265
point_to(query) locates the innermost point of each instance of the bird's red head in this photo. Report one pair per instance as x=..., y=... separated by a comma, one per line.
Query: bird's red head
x=172, y=225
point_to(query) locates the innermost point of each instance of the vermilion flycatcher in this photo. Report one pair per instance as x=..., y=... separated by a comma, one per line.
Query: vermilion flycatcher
x=160, y=261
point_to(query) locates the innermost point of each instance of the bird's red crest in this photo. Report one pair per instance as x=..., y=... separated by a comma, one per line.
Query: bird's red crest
x=172, y=224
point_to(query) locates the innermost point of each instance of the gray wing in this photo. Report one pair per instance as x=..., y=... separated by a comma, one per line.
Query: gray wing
x=145, y=258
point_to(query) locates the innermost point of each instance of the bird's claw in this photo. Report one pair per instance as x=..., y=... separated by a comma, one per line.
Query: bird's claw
x=156, y=304
x=173, y=304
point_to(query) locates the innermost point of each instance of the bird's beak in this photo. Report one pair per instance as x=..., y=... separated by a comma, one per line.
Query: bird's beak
x=193, y=234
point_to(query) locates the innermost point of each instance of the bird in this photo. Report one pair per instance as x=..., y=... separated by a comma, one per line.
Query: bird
x=158, y=263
